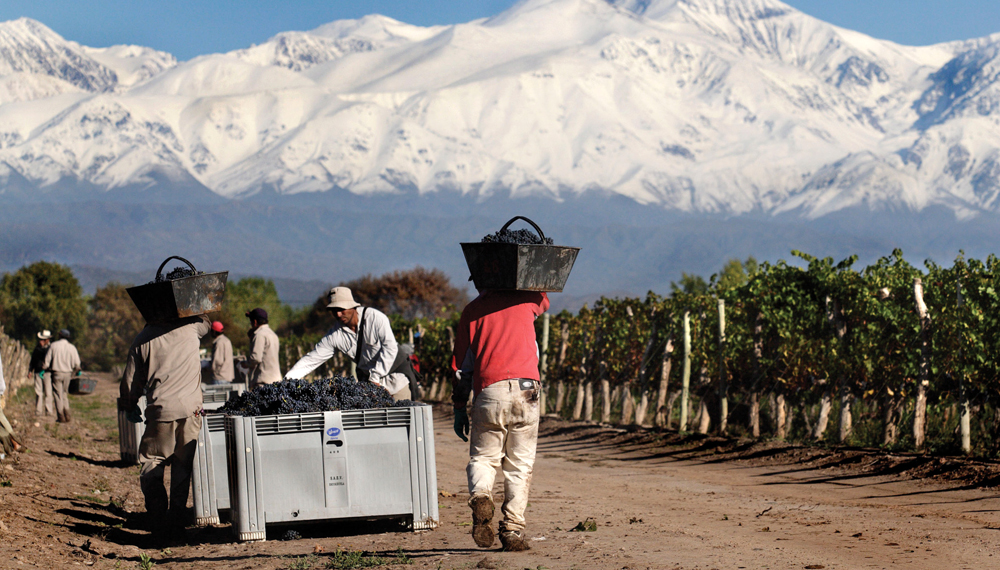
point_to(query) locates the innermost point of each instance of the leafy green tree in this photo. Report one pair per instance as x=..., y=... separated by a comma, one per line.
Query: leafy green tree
x=114, y=322
x=690, y=284
x=41, y=296
x=736, y=273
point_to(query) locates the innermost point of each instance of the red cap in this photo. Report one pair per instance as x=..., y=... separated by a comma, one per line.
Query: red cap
x=217, y=326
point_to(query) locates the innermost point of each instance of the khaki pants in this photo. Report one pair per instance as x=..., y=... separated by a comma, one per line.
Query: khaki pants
x=60, y=388
x=44, y=399
x=168, y=442
x=504, y=435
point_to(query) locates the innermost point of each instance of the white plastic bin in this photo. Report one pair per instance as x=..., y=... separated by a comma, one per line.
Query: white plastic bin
x=363, y=464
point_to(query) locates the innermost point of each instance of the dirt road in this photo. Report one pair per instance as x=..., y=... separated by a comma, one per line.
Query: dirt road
x=704, y=504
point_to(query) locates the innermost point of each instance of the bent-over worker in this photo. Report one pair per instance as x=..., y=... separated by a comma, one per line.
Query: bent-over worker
x=377, y=356
x=62, y=361
x=263, y=353
x=222, y=356
x=164, y=365
x=497, y=334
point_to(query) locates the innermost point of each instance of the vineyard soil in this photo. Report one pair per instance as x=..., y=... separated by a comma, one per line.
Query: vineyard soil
x=657, y=500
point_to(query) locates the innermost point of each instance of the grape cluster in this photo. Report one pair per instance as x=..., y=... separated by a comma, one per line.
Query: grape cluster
x=300, y=397
x=520, y=237
x=177, y=273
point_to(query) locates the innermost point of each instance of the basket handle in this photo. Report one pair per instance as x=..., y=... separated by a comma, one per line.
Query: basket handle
x=162, y=265
x=541, y=234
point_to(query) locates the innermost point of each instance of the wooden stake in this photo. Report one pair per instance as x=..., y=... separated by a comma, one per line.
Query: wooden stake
x=686, y=374
x=963, y=403
x=723, y=388
x=920, y=411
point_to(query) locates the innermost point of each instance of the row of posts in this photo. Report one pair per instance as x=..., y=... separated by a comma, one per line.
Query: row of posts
x=922, y=384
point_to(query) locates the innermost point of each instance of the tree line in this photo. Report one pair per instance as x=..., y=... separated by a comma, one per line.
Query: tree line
x=47, y=296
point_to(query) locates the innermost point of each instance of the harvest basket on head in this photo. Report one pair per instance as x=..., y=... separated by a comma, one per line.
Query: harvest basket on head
x=180, y=294
x=519, y=266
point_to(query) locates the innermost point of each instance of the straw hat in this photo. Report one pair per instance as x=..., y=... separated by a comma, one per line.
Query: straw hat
x=45, y=335
x=341, y=298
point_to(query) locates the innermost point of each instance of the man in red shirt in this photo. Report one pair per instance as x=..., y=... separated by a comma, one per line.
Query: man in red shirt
x=496, y=358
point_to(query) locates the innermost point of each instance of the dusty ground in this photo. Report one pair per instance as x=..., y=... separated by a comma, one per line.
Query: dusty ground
x=658, y=501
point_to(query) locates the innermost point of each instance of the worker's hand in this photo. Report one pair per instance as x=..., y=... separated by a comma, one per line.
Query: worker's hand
x=79, y=372
x=42, y=375
x=134, y=415
x=462, y=423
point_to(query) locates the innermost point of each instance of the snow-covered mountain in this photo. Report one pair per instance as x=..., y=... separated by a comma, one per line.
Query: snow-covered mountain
x=726, y=106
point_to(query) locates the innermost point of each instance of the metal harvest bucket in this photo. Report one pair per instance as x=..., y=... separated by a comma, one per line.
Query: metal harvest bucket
x=520, y=267
x=179, y=298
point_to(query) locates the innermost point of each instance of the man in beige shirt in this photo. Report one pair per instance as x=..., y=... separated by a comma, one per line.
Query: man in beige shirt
x=62, y=361
x=163, y=363
x=263, y=357
x=222, y=356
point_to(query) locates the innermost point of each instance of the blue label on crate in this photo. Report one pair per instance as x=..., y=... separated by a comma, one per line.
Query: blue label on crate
x=333, y=432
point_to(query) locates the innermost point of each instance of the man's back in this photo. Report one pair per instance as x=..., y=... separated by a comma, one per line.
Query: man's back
x=222, y=359
x=498, y=327
x=163, y=362
x=62, y=357
x=264, y=356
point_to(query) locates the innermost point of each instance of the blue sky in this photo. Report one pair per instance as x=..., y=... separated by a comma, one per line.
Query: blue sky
x=187, y=28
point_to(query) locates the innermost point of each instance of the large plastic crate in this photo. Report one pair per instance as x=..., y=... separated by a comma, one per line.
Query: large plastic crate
x=210, y=476
x=129, y=433
x=357, y=464
x=214, y=396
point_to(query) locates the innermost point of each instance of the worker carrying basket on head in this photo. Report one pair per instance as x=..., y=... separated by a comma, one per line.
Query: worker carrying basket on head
x=164, y=365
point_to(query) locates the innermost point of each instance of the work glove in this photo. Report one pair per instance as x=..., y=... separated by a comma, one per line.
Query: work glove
x=42, y=375
x=134, y=415
x=462, y=427
x=79, y=372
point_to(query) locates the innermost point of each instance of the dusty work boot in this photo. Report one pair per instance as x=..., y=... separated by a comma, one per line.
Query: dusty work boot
x=513, y=541
x=482, y=516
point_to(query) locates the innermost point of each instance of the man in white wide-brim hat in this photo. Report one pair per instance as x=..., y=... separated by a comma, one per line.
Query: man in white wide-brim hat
x=364, y=335
x=45, y=403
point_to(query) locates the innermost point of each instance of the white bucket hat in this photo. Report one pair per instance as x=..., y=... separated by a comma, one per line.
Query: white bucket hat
x=341, y=298
x=44, y=335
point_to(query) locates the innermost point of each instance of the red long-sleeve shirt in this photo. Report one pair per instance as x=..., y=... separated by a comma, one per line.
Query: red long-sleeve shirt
x=499, y=328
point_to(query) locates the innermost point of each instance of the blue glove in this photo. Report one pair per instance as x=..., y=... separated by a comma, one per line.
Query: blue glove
x=79, y=372
x=134, y=415
x=462, y=423
x=42, y=375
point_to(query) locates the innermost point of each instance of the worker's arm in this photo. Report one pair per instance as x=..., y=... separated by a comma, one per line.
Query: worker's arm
x=133, y=384
x=462, y=364
x=219, y=356
x=323, y=351
x=47, y=365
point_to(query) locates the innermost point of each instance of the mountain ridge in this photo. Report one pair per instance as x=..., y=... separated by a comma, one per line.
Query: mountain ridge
x=713, y=106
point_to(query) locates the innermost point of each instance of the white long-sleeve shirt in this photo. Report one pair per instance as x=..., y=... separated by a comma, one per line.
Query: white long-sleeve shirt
x=377, y=355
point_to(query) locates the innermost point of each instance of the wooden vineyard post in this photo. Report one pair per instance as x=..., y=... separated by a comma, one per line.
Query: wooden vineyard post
x=963, y=404
x=543, y=363
x=560, y=385
x=920, y=411
x=643, y=379
x=758, y=353
x=686, y=373
x=723, y=388
x=605, y=394
x=662, y=416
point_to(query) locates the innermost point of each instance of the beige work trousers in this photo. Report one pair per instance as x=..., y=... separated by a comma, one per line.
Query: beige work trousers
x=44, y=399
x=504, y=435
x=60, y=388
x=168, y=442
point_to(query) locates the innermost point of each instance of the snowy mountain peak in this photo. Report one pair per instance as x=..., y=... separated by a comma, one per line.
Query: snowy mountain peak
x=697, y=105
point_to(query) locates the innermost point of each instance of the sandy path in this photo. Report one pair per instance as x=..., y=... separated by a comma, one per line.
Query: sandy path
x=654, y=508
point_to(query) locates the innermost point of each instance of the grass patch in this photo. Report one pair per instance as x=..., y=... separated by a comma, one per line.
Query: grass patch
x=99, y=412
x=349, y=559
x=93, y=499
